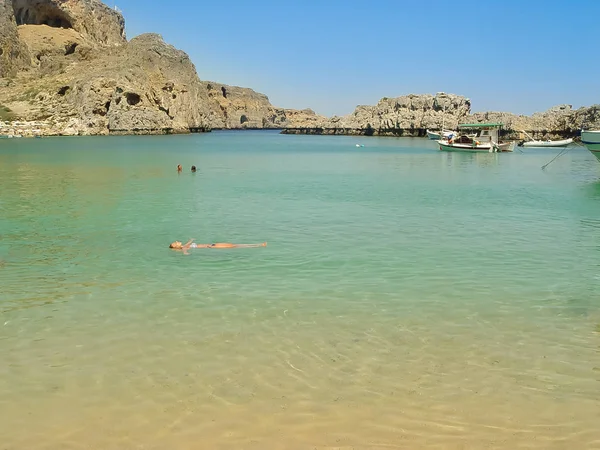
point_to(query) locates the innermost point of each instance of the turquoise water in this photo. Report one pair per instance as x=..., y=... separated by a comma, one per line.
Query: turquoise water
x=407, y=298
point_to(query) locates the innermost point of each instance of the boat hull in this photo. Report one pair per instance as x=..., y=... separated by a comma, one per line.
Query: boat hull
x=474, y=148
x=591, y=139
x=561, y=143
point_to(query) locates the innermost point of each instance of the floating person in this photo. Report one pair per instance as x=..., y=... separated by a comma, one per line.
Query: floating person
x=177, y=245
x=179, y=168
x=193, y=168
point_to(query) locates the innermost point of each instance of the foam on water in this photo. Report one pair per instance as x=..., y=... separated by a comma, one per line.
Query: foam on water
x=407, y=297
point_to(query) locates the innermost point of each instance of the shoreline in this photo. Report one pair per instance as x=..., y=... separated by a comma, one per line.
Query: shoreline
x=39, y=129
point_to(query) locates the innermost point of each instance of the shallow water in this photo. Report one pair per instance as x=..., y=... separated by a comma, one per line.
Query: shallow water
x=407, y=298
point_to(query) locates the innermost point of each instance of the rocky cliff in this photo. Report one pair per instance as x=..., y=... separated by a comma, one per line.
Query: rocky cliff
x=68, y=69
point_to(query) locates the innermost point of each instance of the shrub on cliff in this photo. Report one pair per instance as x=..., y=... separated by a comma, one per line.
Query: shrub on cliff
x=6, y=114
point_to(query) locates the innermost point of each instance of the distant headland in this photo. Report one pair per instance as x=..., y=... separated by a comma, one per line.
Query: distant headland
x=66, y=68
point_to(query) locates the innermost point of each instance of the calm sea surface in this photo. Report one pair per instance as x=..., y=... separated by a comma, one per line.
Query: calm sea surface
x=407, y=298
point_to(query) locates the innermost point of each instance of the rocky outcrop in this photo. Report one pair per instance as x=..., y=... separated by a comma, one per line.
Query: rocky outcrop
x=409, y=115
x=412, y=115
x=236, y=107
x=297, y=118
x=409, y=112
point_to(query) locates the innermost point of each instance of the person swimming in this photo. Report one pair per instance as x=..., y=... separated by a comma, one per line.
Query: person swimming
x=177, y=245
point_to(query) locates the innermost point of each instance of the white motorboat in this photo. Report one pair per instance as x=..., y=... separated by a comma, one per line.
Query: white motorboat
x=591, y=139
x=559, y=143
x=547, y=143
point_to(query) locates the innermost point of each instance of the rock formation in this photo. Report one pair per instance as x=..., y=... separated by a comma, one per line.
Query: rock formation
x=70, y=69
x=412, y=115
x=409, y=115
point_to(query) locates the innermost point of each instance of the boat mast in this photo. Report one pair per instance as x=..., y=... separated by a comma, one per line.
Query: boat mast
x=443, y=120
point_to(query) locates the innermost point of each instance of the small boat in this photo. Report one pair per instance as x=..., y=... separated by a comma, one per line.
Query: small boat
x=591, y=139
x=486, y=140
x=436, y=136
x=547, y=143
x=560, y=143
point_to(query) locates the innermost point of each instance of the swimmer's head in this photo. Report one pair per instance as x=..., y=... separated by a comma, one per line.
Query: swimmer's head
x=176, y=245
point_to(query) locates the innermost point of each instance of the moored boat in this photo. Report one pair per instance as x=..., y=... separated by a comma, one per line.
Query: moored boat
x=486, y=140
x=434, y=135
x=558, y=143
x=591, y=139
x=547, y=143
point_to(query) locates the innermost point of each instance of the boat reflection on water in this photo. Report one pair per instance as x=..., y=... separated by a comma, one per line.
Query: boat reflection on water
x=468, y=158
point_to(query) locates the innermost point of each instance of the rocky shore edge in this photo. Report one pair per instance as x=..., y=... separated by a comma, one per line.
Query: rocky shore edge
x=559, y=122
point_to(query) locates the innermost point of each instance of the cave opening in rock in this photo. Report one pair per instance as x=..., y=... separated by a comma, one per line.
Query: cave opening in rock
x=63, y=90
x=70, y=48
x=27, y=13
x=132, y=98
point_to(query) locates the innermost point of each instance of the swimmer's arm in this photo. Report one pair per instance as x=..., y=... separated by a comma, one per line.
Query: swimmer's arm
x=188, y=243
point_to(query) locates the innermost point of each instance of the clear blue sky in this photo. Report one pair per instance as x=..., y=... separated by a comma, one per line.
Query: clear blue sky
x=329, y=55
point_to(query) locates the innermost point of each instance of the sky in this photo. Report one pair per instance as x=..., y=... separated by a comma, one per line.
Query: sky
x=515, y=56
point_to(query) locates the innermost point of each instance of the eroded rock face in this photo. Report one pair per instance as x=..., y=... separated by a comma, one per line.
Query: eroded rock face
x=296, y=118
x=236, y=107
x=410, y=112
x=92, y=18
x=146, y=86
x=13, y=53
x=409, y=115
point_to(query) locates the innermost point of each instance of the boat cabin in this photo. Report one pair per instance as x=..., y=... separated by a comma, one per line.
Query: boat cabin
x=486, y=133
